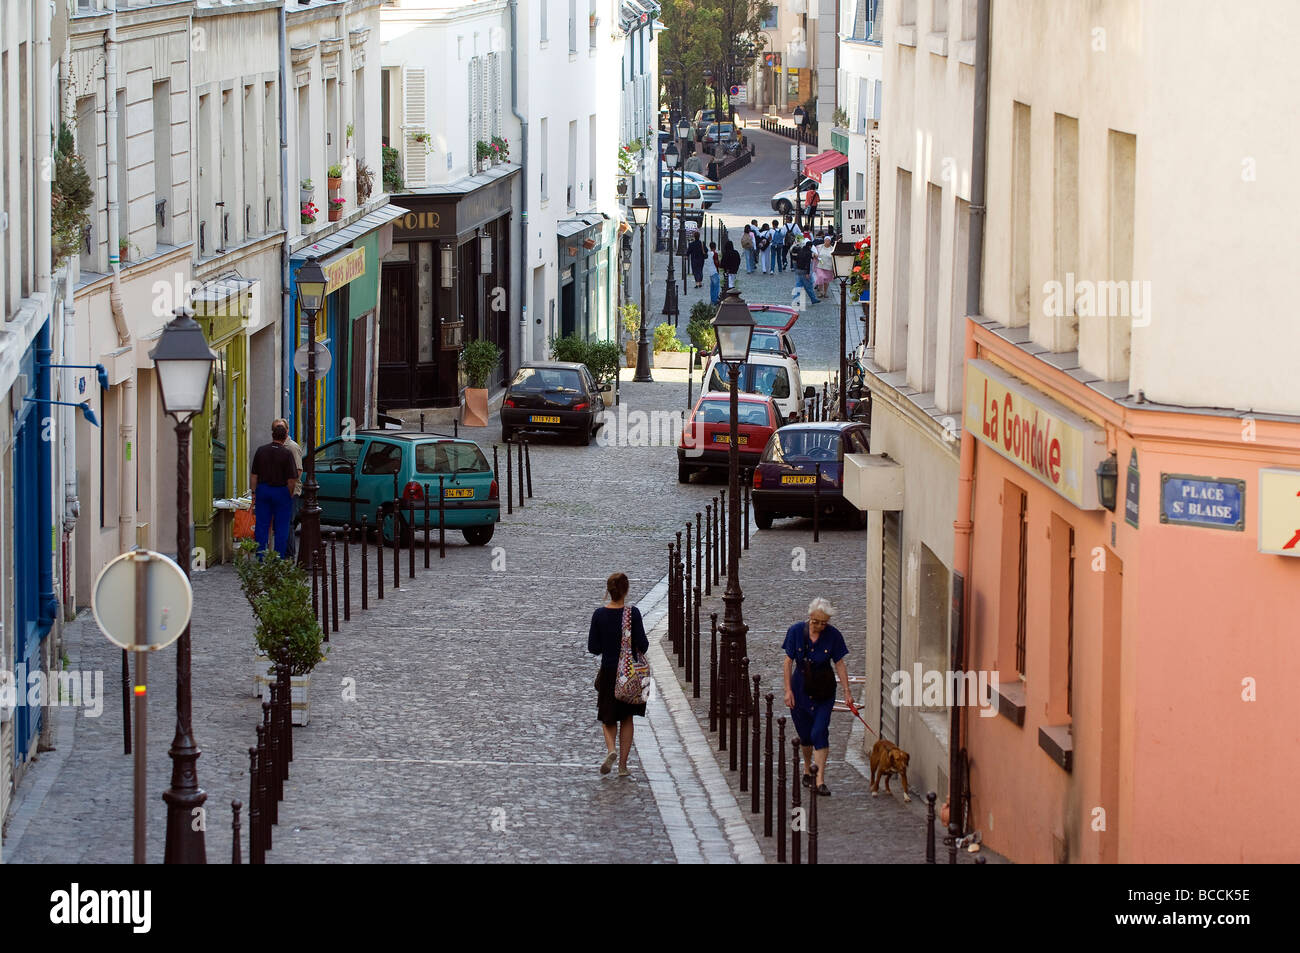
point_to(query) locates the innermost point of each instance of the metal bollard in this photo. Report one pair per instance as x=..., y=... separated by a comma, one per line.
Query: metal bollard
x=274, y=781
x=817, y=504
x=767, y=770
x=397, y=544
x=254, y=812
x=315, y=607
x=708, y=547
x=696, y=642
x=347, y=573
x=522, y=441
x=732, y=724
x=496, y=463
x=426, y=521
x=421, y=423
x=825, y=402
x=234, y=830
x=742, y=691
x=748, y=483
x=796, y=819
x=672, y=596
x=455, y=428
x=812, y=825
x=722, y=529
x=981, y=859
x=780, y=790
x=263, y=776
x=713, y=672
x=954, y=835
x=528, y=467
x=714, y=548
x=510, y=493
x=410, y=550
x=699, y=551
x=334, y=581
x=686, y=571
x=929, y=827
x=442, y=517
x=286, y=742
x=755, y=758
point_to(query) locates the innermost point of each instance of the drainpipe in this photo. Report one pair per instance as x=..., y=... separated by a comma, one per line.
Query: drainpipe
x=346, y=155
x=963, y=525
x=525, y=339
x=43, y=125
x=287, y=342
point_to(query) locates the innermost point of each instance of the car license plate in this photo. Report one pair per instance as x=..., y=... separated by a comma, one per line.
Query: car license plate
x=543, y=419
x=798, y=479
x=726, y=438
x=467, y=493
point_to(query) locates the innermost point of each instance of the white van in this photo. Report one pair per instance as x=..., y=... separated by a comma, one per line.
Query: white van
x=771, y=375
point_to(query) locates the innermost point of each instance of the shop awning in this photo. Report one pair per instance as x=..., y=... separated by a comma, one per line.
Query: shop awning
x=346, y=236
x=822, y=163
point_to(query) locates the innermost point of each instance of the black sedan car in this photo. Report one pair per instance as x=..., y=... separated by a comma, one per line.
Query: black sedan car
x=787, y=473
x=552, y=396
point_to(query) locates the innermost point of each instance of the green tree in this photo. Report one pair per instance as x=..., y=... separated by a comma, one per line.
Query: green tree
x=719, y=35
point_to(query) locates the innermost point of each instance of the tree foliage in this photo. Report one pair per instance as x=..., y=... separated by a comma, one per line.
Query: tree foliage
x=709, y=34
x=70, y=197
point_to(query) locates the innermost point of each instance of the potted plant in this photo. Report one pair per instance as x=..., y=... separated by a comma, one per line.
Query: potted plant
x=336, y=209
x=305, y=191
x=424, y=139
x=309, y=213
x=391, y=169
x=602, y=361
x=501, y=147
x=124, y=250
x=71, y=195
x=478, y=360
x=365, y=182
x=631, y=314
x=350, y=128
x=287, y=634
x=482, y=153
x=700, y=329
x=860, y=283
x=334, y=177
x=669, y=352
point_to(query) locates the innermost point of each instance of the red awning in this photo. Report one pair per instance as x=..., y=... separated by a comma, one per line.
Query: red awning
x=822, y=163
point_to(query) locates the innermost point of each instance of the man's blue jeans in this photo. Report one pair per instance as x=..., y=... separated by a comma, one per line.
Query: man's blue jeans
x=782, y=257
x=751, y=260
x=715, y=284
x=273, y=511
x=803, y=280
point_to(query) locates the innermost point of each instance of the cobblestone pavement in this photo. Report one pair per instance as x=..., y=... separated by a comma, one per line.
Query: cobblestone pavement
x=474, y=709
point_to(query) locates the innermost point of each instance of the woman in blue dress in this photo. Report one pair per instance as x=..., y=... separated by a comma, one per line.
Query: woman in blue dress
x=605, y=639
x=814, y=653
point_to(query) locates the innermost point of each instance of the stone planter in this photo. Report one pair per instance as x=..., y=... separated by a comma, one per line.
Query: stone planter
x=679, y=360
x=474, y=412
x=305, y=196
x=262, y=677
x=631, y=352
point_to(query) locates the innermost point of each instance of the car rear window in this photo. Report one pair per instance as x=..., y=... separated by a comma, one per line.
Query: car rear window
x=541, y=380
x=798, y=445
x=770, y=380
x=450, y=458
x=770, y=343
x=719, y=412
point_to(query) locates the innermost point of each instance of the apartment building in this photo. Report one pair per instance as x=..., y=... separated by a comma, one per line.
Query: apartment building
x=859, y=94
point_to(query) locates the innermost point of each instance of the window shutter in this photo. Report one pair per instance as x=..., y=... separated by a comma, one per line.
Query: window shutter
x=414, y=153
x=494, y=72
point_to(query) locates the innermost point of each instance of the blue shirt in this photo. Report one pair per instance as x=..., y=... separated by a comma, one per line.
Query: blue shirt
x=829, y=647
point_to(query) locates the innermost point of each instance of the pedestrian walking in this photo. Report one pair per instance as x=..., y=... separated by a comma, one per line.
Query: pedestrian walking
x=801, y=259
x=814, y=654
x=713, y=169
x=609, y=626
x=273, y=479
x=791, y=232
x=824, y=269
x=711, y=273
x=730, y=263
x=297, y=489
x=810, y=201
x=765, y=248
x=696, y=254
x=747, y=246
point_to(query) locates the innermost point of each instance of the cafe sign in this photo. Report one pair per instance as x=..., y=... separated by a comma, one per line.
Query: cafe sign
x=343, y=269
x=1035, y=432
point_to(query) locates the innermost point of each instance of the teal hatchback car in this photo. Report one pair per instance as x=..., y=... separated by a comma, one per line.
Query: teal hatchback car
x=362, y=476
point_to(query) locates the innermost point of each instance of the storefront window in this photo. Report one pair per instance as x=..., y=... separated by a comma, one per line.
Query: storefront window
x=218, y=427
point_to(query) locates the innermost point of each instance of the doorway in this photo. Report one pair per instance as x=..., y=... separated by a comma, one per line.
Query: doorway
x=398, y=337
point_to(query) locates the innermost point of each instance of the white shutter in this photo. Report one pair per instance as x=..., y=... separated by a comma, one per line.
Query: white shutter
x=494, y=74
x=414, y=153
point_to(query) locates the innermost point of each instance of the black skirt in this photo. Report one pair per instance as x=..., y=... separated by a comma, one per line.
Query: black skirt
x=609, y=710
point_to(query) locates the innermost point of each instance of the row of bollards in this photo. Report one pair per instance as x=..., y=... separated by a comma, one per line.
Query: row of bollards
x=268, y=770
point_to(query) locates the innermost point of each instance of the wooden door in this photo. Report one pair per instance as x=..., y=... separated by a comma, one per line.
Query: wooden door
x=398, y=337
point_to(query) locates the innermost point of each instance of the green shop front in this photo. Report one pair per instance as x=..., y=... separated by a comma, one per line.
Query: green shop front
x=588, y=280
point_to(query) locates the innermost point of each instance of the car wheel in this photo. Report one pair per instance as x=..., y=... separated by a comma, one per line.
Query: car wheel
x=683, y=473
x=763, y=518
x=404, y=535
x=506, y=433
x=478, y=535
x=784, y=207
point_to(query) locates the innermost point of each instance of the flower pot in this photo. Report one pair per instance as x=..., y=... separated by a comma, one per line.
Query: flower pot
x=475, y=411
x=679, y=360
x=335, y=184
x=335, y=214
x=299, y=693
x=631, y=352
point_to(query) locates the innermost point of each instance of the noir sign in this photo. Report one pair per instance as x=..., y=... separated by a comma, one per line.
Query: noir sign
x=1202, y=501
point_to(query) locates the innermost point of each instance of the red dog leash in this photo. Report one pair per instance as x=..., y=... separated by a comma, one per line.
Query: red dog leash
x=854, y=708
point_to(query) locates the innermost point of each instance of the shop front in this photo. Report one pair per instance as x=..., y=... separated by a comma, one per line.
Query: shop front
x=588, y=264
x=347, y=326
x=446, y=281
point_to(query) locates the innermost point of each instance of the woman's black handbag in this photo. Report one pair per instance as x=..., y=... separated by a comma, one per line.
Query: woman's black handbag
x=818, y=680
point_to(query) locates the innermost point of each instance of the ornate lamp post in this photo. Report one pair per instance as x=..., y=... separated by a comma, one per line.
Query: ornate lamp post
x=734, y=327
x=183, y=362
x=641, y=215
x=683, y=133
x=674, y=188
x=843, y=256
x=311, y=284
x=798, y=117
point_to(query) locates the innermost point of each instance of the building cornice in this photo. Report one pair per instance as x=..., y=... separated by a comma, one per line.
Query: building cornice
x=243, y=7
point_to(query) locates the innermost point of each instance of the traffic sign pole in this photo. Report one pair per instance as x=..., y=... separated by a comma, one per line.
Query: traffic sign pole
x=141, y=561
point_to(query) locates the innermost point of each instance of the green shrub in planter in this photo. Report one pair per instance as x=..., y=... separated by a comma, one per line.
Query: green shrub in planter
x=571, y=348
x=631, y=315
x=478, y=360
x=603, y=361
x=700, y=328
x=666, y=338
x=280, y=594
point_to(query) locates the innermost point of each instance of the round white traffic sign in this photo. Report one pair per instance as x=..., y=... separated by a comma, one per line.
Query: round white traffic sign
x=324, y=360
x=169, y=602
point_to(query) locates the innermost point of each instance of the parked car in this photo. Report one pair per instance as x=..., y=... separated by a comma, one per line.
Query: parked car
x=552, y=396
x=707, y=435
x=723, y=132
x=784, y=202
x=705, y=116
x=769, y=375
x=686, y=197
x=362, y=476
x=786, y=474
x=771, y=337
x=710, y=191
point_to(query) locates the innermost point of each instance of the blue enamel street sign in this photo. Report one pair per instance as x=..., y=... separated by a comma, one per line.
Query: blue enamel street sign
x=1202, y=501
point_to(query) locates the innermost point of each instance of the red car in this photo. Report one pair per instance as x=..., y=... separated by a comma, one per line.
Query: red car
x=772, y=324
x=705, y=439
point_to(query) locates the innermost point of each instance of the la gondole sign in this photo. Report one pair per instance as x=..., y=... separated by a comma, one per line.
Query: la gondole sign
x=1038, y=434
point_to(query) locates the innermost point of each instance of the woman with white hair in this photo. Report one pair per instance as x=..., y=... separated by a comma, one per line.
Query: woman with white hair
x=814, y=653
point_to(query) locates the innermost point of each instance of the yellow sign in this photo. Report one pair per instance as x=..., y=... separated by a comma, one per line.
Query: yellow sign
x=1279, y=512
x=347, y=267
x=1035, y=432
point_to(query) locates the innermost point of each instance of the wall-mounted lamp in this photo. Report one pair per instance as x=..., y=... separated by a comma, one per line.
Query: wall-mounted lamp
x=485, y=253
x=447, y=257
x=1108, y=482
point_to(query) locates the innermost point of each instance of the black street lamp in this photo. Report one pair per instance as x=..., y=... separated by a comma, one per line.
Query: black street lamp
x=674, y=188
x=183, y=362
x=311, y=283
x=843, y=257
x=683, y=133
x=733, y=326
x=799, y=116
x=641, y=215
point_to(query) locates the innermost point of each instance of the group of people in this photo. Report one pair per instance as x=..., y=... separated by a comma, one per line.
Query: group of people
x=770, y=249
x=814, y=656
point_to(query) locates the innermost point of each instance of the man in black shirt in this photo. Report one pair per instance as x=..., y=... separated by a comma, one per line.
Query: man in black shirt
x=274, y=476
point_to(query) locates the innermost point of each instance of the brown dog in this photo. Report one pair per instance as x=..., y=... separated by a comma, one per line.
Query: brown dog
x=887, y=759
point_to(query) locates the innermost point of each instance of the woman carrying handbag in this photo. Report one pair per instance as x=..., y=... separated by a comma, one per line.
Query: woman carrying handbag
x=618, y=636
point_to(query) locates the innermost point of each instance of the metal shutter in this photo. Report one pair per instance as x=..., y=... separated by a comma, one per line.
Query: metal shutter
x=414, y=154
x=891, y=632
